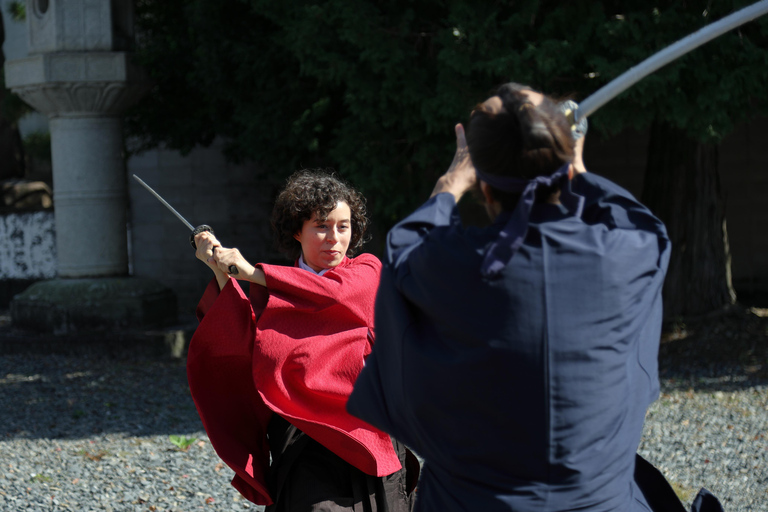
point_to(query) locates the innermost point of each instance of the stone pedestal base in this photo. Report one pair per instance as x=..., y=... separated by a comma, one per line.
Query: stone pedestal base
x=9, y=288
x=65, y=306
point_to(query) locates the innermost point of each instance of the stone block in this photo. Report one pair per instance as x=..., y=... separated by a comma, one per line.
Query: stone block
x=79, y=25
x=9, y=288
x=92, y=82
x=62, y=306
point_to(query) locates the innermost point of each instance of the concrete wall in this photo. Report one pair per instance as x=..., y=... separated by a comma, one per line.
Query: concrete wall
x=205, y=189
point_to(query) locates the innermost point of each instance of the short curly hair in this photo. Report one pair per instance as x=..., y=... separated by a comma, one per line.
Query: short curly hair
x=317, y=191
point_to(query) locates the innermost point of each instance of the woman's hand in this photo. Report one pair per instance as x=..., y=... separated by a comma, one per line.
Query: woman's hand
x=232, y=262
x=226, y=259
x=206, y=245
x=221, y=259
x=460, y=176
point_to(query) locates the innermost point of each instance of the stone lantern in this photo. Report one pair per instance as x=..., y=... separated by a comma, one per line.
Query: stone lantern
x=80, y=74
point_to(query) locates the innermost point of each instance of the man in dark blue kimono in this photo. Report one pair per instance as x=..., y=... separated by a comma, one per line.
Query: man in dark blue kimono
x=519, y=359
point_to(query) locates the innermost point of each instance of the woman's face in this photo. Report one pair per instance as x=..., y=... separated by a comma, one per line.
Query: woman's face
x=324, y=242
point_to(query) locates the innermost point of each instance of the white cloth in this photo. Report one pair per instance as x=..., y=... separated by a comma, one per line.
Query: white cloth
x=303, y=265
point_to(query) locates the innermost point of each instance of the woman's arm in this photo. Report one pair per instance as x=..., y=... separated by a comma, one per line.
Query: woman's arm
x=219, y=259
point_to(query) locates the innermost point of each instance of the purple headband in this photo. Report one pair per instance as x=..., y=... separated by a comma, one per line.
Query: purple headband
x=512, y=235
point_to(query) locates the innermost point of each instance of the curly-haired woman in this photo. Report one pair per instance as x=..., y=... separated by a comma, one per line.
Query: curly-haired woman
x=271, y=373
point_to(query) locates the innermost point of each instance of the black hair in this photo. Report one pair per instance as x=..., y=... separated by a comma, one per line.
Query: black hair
x=315, y=191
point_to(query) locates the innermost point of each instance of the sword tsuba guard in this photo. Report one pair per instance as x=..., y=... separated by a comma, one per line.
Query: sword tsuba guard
x=199, y=229
x=578, y=129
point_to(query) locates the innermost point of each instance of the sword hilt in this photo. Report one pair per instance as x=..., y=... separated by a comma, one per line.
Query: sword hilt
x=200, y=229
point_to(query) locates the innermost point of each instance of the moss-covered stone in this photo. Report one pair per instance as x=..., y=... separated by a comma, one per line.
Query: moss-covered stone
x=62, y=306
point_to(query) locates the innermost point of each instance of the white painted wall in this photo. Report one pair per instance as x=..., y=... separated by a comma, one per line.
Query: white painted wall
x=27, y=246
x=205, y=189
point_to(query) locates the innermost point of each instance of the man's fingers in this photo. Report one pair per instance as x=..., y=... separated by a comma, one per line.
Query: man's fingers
x=461, y=138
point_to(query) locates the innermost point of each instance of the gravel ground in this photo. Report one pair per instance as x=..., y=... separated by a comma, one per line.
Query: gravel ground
x=89, y=433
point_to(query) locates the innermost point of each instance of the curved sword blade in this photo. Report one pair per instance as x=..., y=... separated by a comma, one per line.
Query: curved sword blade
x=667, y=55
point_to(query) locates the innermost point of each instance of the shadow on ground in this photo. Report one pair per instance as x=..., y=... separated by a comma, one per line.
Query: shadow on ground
x=55, y=396
x=44, y=395
x=726, y=351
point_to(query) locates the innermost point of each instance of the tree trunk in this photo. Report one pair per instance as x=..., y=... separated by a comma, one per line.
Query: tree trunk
x=682, y=187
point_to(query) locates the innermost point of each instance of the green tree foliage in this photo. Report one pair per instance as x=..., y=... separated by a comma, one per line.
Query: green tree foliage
x=689, y=106
x=12, y=108
x=17, y=10
x=374, y=88
x=704, y=93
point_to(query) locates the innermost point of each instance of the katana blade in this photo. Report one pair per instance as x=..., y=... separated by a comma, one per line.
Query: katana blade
x=195, y=230
x=165, y=203
x=667, y=55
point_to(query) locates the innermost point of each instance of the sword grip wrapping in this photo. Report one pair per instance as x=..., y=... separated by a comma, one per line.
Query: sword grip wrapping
x=199, y=229
x=205, y=227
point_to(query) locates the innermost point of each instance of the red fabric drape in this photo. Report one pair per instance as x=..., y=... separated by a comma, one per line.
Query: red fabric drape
x=296, y=351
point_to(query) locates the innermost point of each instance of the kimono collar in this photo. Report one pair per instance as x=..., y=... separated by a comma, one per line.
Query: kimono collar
x=512, y=235
x=303, y=264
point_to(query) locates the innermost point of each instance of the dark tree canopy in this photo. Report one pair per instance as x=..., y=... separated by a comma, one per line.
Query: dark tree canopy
x=373, y=88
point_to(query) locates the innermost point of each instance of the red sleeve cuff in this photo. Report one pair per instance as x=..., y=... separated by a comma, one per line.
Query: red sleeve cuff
x=209, y=297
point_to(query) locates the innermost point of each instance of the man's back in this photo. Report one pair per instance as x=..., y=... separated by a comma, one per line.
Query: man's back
x=526, y=391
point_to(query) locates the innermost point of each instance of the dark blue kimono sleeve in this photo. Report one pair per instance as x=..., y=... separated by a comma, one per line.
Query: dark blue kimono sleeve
x=609, y=204
x=439, y=210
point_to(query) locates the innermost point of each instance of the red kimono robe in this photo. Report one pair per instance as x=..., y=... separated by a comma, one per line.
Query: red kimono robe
x=294, y=348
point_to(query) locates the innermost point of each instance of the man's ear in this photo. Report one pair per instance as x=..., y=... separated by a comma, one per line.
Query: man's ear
x=297, y=237
x=487, y=193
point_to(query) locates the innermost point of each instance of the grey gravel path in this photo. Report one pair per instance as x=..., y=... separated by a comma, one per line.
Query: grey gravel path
x=89, y=434
x=712, y=439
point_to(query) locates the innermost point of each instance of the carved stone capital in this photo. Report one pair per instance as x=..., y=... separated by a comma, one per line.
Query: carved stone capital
x=66, y=98
x=59, y=84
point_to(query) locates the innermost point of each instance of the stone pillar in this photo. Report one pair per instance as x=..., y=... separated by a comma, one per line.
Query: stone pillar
x=90, y=196
x=83, y=94
x=79, y=73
